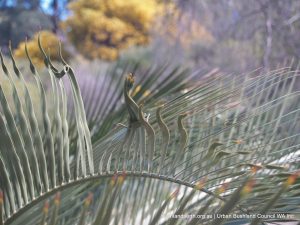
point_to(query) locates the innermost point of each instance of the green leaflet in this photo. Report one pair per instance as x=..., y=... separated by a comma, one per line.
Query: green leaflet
x=48, y=142
x=34, y=129
x=160, y=211
x=9, y=189
x=57, y=125
x=212, y=149
x=182, y=142
x=165, y=138
x=17, y=144
x=83, y=215
x=45, y=213
x=132, y=107
x=291, y=179
x=150, y=146
x=1, y=208
x=232, y=202
x=54, y=216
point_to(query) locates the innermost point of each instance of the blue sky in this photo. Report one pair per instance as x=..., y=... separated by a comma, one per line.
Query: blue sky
x=45, y=3
x=46, y=6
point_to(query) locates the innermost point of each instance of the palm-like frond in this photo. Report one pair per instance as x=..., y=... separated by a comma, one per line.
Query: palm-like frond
x=217, y=134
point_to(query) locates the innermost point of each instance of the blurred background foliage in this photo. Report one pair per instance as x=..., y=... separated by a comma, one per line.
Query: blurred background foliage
x=232, y=35
x=100, y=29
x=51, y=45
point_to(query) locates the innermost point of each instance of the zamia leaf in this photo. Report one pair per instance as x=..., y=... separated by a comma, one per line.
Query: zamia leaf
x=47, y=149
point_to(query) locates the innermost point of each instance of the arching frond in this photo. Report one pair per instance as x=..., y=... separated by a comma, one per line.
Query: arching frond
x=222, y=147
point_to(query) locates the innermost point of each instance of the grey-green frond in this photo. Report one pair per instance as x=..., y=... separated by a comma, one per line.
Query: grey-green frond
x=221, y=145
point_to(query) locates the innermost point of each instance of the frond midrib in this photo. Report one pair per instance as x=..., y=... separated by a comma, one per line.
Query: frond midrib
x=95, y=177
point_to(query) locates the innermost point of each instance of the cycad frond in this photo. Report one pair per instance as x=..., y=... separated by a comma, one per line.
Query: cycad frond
x=228, y=131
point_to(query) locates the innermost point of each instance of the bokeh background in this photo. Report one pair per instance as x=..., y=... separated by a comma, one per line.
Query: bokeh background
x=232, y=35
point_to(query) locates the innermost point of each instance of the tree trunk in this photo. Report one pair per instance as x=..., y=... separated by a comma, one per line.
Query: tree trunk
x=55, y=16
x=269, y=37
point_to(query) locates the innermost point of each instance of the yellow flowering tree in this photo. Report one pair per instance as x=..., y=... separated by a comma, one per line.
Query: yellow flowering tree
x=101, y=28
x=50, y=43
